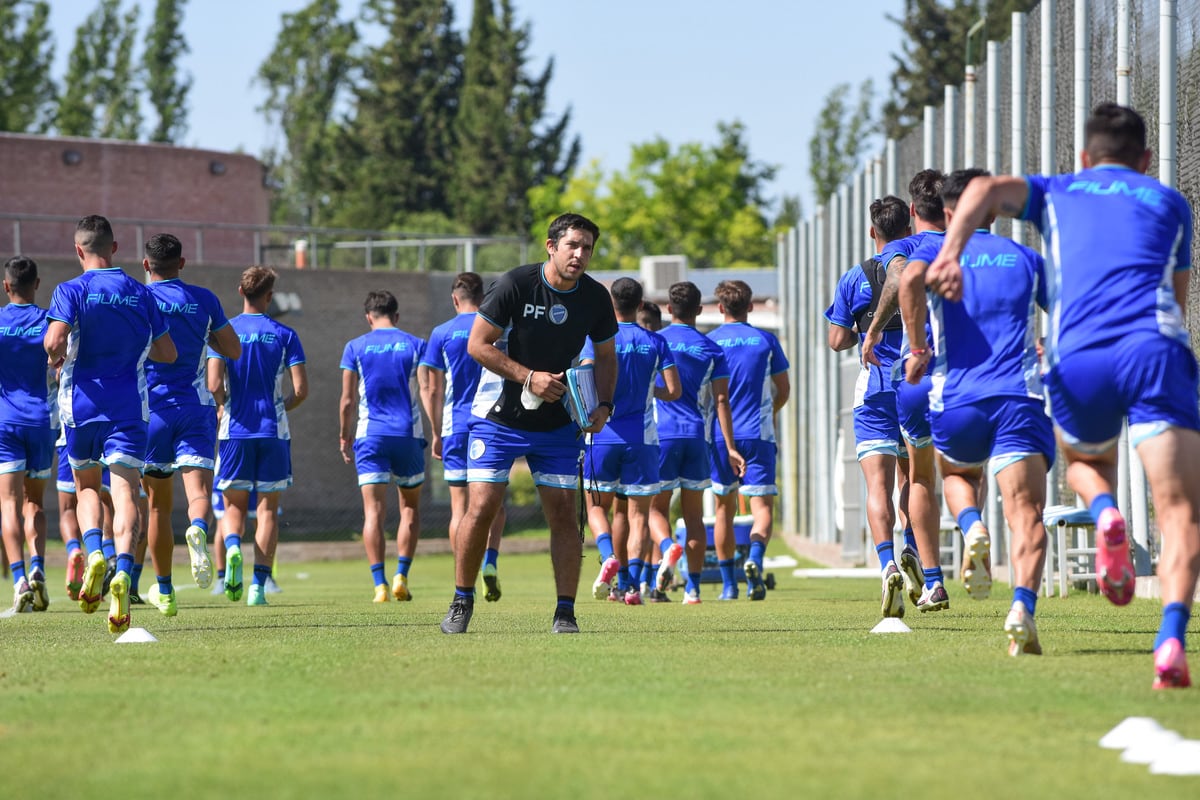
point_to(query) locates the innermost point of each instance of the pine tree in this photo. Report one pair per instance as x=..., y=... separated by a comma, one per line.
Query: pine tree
x=26, y=53
x=840, y=138
x=168, y=89
x=100, y=89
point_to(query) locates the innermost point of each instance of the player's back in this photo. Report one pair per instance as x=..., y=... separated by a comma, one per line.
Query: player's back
x=24, y=384
x=447, y=351
x=641, y=355
x=753, y=357
x=112, y=327
x=386, y=361
x=254, y=408
x=193, y=312
x=699, y=362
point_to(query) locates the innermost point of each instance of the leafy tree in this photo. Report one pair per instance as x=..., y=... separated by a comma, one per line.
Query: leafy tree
x=119, y=91
x=791, y=211
x=100, y=96
x=26, y=53
x=839, y=139
x=167, y=88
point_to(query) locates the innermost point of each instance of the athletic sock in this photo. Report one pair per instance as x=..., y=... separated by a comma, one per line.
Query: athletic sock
x=624, y=581
x=135, y=577
x=489, y=557
x=108, y=548
x=73, y=545
x=693, y=582
x=125, y=563
x=402, y=565
x=652, y=578
x=757, y=549
x=635, y=572
x=232, y=541
x=665, y=545
x=164, y=585
x=1026, y=596
x=37, y=564
x=1175, y=618
x=968, y=517
x=727, y=574
x=910, y=540
x=18, y=570
x=1101, y=502
x=92, y=540
x=220, y=576
x=933, y=576
x=465, y=593
x=604, y=545
x=377, y=574
x=886, y=552
x=566, y=604
x=202, y=525
x=261, y=573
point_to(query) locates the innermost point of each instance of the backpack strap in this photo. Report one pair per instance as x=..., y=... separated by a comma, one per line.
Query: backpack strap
x=876, y=275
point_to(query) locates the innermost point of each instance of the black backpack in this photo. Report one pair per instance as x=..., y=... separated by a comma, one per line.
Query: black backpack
x=876, y=274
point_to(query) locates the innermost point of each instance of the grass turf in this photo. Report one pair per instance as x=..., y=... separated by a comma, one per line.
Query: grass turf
x=325, y=694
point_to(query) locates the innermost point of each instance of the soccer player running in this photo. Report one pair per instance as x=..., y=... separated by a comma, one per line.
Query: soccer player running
x=449, y=378
x=254, y=440
x=758, y=388
x=183, y=416
x=876, y=423
x=624, y=455
x=26, y=438
x=550, y=308
x=685, y=437
x=381, y=435
x=1120, y=245
x=103, y=326
x=987, y=398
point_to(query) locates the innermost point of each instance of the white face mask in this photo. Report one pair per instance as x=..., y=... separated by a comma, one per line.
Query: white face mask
x=529, y=400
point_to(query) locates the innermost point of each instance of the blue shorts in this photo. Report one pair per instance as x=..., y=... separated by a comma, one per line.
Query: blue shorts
x=1150, y=379
x=759, y=480
x=877, y=426
x=631, y=469
x=684, y=464
x=107, y=443
x=390, y=459
x=28, y=449
x=249, y=464
x=553, y=456
x=218, y=504
x=912, y=411
x=182, y=436
x=454, y=458
x=66, y=478
x=1004, y=429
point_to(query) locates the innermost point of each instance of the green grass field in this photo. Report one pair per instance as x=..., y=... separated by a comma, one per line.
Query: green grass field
x=323, y=694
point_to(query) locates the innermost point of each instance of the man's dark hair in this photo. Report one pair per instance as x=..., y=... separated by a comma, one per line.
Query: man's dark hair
x=684, y=299
x=890, y=218
x=956, y=183
x=381, y=303
x=468, y=286
x=627, y=295
x=735, y=296
x=925, y=189
x=20, y=272
x=566, y=222
x=94, y=235
x=650, y=316
x=257, y=281
x=163, y=251
x=1115, y=133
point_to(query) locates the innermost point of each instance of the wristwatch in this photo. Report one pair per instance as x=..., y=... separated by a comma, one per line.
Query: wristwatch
x=607, y=404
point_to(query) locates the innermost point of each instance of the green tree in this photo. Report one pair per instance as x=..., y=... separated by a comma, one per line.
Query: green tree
x=306, y=74
x=791, y=211
x=100, y=95
x=168, y=89
x=26, y=52
x=839, y=139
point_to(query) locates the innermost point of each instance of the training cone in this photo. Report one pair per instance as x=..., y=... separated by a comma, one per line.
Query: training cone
x=1130, y=731
x=1182, y=758
x=1147, y=750
x=136, y=636
x=891, y=625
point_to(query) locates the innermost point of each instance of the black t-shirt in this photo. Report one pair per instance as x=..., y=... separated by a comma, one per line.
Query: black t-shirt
x=548, y=329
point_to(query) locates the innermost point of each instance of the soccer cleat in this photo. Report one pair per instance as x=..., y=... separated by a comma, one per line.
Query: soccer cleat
x=1170, y=666
x=164, y=603
x=658, y=596
x=729, y=593
x=1114, y=569
x=666, y=570
x=1022, y=632
x=755, y=588
x=615, y=594
x=691, y=597
x=564, y=622
x=22, y=596
x=914, y=575
x=977, y=562
x=118, y=609
x=135, y=599
x=90, y=593
x=257, y=595
x=233, y=574
x=197, y=544
x=603, y=585
x=893, y=591
x=633, y=597
x=76, y=565
x=37, y=583
x=492, y=581
x=218, y=587
x=270, y=586
x=933, y=598
x=110, y=572
x=382, y=595
x=400, y=587
x=458, y=616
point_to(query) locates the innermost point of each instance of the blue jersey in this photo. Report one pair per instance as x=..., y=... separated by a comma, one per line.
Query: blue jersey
x=113, y=321
x=699, y=362
x=386, y=363
x=851, y=296
x=254, y=382
x=753, y=357
x=1111, y=273
x=641, y=356
x=193, y=312
x=447, y=352
x=24, y=380
x=984, y=345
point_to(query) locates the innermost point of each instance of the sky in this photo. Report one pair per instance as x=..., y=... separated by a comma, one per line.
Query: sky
x=629, y=70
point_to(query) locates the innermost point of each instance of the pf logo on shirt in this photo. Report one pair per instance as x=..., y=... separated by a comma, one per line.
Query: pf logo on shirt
x=557, y=314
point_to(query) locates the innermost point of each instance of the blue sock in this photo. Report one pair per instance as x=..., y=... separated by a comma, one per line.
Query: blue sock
x=1101, y=502
x=164, y=585
x=886, y=552
x=624, y=581
x=693, y=582
x=1174, y=624
x=728, y=578
x=909, y=539
x=261, y=573
x=489, y=557
x=136, y=576
x=18, y=570
x=73, y=545
x=566, y=604
x=652, y=578
x=37, y=564
x=125, y=563
x=933, y=576
x=757, y=549
x=202, y=525
x=220, y=576
x=402, y=565
x=232, y=541
x=377, y=574
x=466, y=593
x=108, y=548
x=968, y=517
x=604, y=545
x=635, y=572
x=665, y=545
x=1026, y=596
x=92, y=540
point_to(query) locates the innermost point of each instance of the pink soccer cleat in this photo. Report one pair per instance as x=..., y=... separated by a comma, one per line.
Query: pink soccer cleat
x=1170, y=666
x=603, y=585
x=666, y=570
x=1114, y=568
